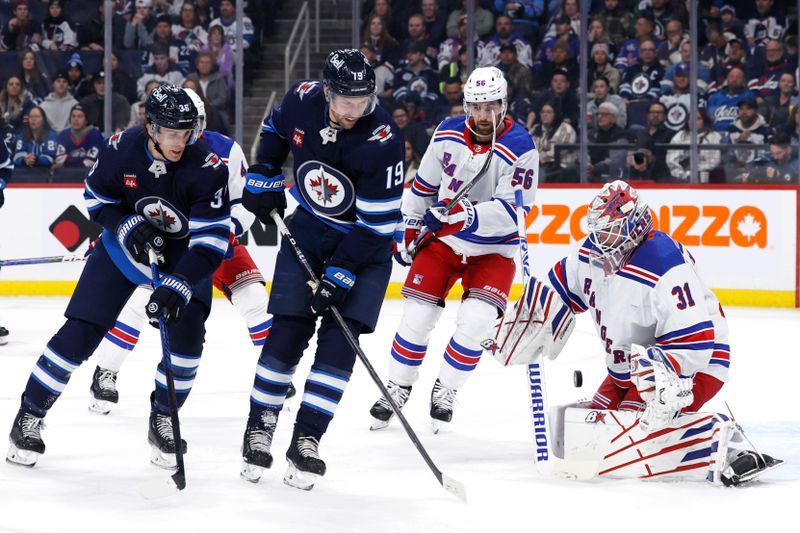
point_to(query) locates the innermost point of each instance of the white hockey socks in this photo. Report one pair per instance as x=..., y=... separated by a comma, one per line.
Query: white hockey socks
x=473, y=324
x=122, y=338
x=411, y=341
x=251, y=302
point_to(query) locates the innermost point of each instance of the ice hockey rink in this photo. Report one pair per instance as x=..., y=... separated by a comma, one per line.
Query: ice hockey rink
x=90, y=477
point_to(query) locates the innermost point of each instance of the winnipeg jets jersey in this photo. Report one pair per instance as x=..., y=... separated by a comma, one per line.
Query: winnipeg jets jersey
x=656, y=298
x=452, y=160
x=233, y=156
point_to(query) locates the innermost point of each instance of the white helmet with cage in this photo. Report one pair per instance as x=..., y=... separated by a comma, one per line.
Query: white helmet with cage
x=618, y=221
x=486, y=85
x=200, y=106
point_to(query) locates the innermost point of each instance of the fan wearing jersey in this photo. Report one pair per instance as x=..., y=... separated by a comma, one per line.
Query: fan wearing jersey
x=237, y=277
x=474, y=240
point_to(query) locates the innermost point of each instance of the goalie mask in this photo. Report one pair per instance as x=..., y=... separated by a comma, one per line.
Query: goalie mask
x=485, y=94
x=618, y=222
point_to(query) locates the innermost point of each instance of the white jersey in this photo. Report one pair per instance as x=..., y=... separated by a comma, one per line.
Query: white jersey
x=657, y=298
x=233, y=156
x=452, y=160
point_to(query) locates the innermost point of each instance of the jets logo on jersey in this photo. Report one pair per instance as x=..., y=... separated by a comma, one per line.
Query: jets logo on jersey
x=676, y=116
x=212, y=160
x=326, y=190
x=381, y=134
x=305, y=87
x=164, y=216
x=297, y=137
x=640, y=85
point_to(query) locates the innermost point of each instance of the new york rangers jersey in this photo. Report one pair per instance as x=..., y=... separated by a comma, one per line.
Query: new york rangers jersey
x=656, y=298
x=452, y=160
x=233, y=157
x=352, y=180
x=186, y=200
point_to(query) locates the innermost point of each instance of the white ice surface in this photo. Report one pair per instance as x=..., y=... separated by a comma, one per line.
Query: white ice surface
x=89, y=478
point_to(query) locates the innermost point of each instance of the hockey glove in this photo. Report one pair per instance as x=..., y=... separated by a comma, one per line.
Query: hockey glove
x=441, y=222
x=332, y=288
x=660, y=386
x=137, y=235
x=168, y=300
x=263, y=192
x=404, y=240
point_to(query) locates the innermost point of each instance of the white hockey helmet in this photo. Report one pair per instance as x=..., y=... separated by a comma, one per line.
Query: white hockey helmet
x=618, y=221
x=200, y=106
x=486, y=84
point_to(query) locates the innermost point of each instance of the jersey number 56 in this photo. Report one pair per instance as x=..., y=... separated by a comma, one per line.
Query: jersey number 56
x=523, y=176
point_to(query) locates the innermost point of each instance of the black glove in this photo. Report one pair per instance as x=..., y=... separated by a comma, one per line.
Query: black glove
x=168, y=300
x=263, y=192
x=2, y=186
x=137, y=235
x=332, y=288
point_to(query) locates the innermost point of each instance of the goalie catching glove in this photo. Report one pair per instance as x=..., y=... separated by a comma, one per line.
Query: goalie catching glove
x=657, y=379
x=539, y=324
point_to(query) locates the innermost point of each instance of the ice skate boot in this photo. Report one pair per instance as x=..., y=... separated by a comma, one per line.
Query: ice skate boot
x=442, y=399
x=26, y=440
x=305, y=466
x=746, y=465
x=3, y=336
x=103, y=391
x=292, y=392
x=382, y=411
x=162, y=441
x=257, y=442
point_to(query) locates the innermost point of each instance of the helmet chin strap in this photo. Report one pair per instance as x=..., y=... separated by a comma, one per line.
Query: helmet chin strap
x=495, y=124
x=156, y=145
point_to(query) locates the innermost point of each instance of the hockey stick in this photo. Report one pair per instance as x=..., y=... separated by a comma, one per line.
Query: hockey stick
x=42, y=260
x=536, y=383
x=451, y=485
x=177, y=481
x=425, y=237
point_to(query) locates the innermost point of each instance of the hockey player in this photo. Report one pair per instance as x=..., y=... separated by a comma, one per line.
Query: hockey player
x=6, y=166
x=475, y=241
x=153, y=188
x=348, y=172
x=237, y=277
x=663, y=331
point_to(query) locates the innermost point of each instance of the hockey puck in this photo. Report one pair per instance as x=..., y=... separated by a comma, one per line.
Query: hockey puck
x=577, y=378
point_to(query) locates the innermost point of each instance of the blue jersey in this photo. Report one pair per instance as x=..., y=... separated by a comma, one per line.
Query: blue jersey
x=233, y=157
x=186, y=200
x=44, y=150
x=6, y=163
x=79, y=151
x=724, y=108
x=352, y=180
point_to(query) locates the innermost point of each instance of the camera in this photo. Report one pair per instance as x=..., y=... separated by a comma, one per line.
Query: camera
x=639, y=158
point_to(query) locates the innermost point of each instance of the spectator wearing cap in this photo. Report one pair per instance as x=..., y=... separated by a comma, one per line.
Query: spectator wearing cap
x=489, y=50
x=768, y=22
x=416, y=75
x=560, y=92
x=601, y=93
x=606, y=133
x=730, y=23
x=227, y=19
x=775, y=108
x=91, y=36
x=644, y=30
x=95, y=106
x=57, y=33
x=563, y=32
x=723, y=105
x=669, y=50
x=36, y=82
x=384, y=73
x=748, y=128
x=678, y=160
x=703, y=73
x=568, y=9
x=483, y=18
x=780, y=166
x=180, y=55
x=515, y=72
x=21, y=31
x=767, y=69
x=80, y=143
x=524, y=14
x=735, y=57
x=388, y=49
x=435, y=22
x=617, y=20
x=160, y=70
x=139, y=29
x=79, y=85
x=58, y=103
x=677, y=98
x=600, y=67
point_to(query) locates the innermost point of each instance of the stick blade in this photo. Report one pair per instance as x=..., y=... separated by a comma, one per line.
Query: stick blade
x=455, y=487
x=157, y=489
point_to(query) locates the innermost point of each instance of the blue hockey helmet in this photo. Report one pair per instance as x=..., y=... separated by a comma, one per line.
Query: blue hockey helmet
x=171, y=107
x=348, y=74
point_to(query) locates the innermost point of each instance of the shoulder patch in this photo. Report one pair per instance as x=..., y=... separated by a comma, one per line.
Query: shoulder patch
x=305, y=87
x=381, y=134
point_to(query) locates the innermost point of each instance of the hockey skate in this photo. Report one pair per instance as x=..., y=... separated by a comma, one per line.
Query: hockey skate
x=747, y=465
x=442, y=400
x=103, y=391
x=257, y=442
x=3, y=336
x=26, y=440
x=305, y=466
x=162, y=441
x=382, y=411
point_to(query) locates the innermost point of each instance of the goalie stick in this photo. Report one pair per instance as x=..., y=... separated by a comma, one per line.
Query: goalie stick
x=451, y=485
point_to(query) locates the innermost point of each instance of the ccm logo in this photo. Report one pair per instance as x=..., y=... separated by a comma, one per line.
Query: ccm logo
x=708, y=225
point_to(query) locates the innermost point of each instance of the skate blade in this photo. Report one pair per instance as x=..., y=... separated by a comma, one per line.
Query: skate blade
x=251, y=473
x=26, y=458
x=101, y=407
x=299, y=479
x=437, y=425
x=163, y=460
x=377, y=423
x=3, y=341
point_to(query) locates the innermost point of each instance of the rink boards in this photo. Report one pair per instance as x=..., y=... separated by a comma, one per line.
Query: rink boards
x=744, y=239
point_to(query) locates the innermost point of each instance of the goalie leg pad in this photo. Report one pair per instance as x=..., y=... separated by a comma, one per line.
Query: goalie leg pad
x=474, y=322
x=411, y=341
